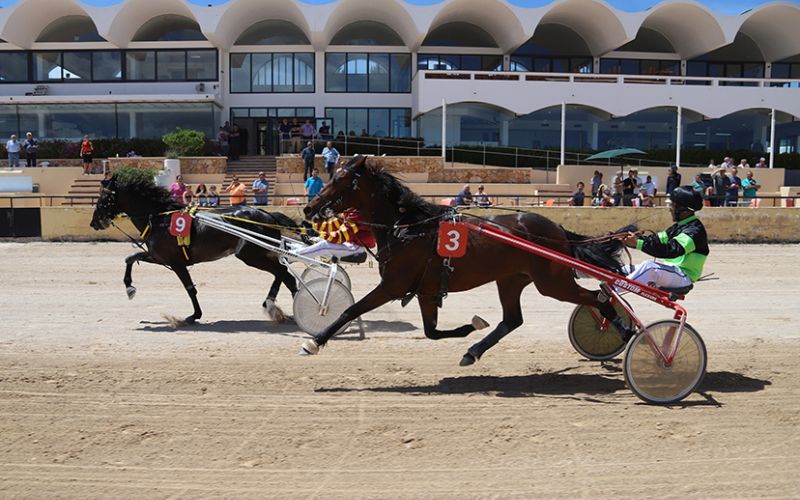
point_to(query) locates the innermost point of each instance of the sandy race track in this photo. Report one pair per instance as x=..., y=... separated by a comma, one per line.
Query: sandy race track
x=99, y=397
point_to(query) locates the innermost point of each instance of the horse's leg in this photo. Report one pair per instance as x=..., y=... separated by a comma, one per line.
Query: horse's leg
x=186, y=280
x=129, y=262
x=430, y=318
x=510, y=290
x=374, y=299
x=264, y=260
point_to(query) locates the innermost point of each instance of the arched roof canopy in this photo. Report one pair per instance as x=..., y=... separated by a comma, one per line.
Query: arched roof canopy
x=593, y=21
x=133, y=15
x=26, y=20
x=392, y=13
x=459, y=34
x=503, y=25
x=555, y=40
x=690, y=28
x=70, y=29
x=367, y=33
x=169, y=28
x=774, y=28
x=648, y=40
x=273, y=32
x=742, y=49
x=241, y=16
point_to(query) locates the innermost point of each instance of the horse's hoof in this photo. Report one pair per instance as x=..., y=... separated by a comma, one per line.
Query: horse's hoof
x=189, y=321
x=309, y=348
x=479, y=323
x=274, y=312
x=468, y=360
x=131, y=291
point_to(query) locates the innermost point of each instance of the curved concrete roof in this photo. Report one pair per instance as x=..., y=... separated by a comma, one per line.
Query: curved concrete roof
x=691, y=27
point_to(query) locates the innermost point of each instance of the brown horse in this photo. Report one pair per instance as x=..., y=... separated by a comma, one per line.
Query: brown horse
x=406, y=229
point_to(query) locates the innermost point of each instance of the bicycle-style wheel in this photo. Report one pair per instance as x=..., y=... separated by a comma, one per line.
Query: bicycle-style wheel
x=308, y=313
x=648, y=375
x=317, y=271
x=589, y=339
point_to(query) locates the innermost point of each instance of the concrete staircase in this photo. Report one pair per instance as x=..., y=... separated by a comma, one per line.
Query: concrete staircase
x=247, y=169
x=87, y=187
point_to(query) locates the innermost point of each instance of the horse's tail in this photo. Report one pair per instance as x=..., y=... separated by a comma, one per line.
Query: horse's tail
x=603, y=253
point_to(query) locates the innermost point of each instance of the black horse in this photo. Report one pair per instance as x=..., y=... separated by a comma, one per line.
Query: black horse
x=406, y=227
x=150, y=207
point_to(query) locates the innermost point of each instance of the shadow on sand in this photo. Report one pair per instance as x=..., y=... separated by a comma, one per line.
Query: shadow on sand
x=288, y=328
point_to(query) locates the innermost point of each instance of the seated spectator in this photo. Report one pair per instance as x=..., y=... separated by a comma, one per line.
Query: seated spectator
x=743, y=165
x=644, y=199
x=177, y=188
x=650, y=187
x=578, y=197
x=201, y=195
x=762, y=163
x=482, y=198
x=698, y=184
x=189, y=199
x=213, y=197
x=597, y=181
x=105, y=182
x=464, y=197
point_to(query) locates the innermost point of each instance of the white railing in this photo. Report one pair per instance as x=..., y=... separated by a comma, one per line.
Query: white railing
x=511, y=76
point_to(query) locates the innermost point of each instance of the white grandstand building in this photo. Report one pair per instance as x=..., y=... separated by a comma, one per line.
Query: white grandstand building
x=384, y=67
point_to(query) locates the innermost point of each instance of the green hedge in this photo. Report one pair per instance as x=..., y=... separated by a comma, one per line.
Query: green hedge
x=107, y=148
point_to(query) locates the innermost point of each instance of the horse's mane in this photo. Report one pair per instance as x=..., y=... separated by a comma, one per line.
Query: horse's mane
x=139, y=183
x=414, y=208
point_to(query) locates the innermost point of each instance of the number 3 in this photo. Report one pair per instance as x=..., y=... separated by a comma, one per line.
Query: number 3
x=454, y=243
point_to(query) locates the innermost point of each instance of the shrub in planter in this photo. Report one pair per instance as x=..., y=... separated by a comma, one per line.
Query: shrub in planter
x=184, y=142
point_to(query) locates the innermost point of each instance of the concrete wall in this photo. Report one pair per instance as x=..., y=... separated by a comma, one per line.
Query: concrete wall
x=189, y=165
x=734, y=225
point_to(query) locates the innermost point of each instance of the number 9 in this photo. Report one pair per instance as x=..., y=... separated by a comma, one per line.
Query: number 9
x=180, y=224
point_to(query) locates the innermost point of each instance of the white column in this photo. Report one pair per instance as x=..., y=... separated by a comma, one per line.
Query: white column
x=444, y=129
x=563, y=131
x=595, y=137
x=678, y=137
x=772, y=149
x=504, y=132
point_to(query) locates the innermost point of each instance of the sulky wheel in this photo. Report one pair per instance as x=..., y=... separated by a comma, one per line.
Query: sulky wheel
x=587, y=337
x=308, y=314
x=648, y=375
x=317, y=271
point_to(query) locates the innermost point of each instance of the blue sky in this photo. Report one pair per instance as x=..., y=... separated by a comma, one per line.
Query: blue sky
x=721, y=6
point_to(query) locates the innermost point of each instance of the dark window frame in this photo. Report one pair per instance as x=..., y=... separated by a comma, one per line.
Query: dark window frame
x=29, y=71
x=439, y=55
x=123, y=64
x=367, y=91
x=662, y=64
x=367, y=108
x=272, y=85
x=571, y=62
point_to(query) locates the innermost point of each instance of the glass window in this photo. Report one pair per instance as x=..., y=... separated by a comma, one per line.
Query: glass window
x=649, y=67
x=69, y=122
x=240, y=73
x=153, y=120
x=379, y=72
x=140, y=65
x=8, y=121
x=13, y=67
x=262, y=72
x=753, y=70
x=379, y=122
x=106, y=66
x=77, y=65
x=46, y=66
x=781, y=70
x=670, y=68
x=201, y=65
x=335, y=72
x=357, y=75
x=491, y=63
x=357, y=121
x=282, y=72
x=521, y=63
x=304, y=73
x=171, y=65
x=400, y=122
x=309, y=112
x=339, y=117
x=401, y=73
x=609, y=66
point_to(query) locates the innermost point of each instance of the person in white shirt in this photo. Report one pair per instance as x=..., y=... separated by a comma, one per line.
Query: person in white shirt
x=12, y=147
x=331, y=156
x=762, y=163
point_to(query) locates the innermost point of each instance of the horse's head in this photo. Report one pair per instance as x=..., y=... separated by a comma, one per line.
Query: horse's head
x=107, y=207
x=349, y=188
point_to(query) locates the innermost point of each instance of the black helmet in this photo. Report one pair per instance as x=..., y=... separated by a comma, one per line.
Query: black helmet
x=686, y=197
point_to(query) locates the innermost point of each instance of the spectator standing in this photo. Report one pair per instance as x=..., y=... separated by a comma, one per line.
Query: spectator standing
x=31, y=146
x=313, y=184
x=307, y=131
x=201, y=195
x=296, y=139
x=727, y=162
x=712, y=165
x=308, y=155
x=325, y=131
x=698, y=185
x=464, y=197
x=597, y=181
x=673, y=179
x=286, y=135
x=213, y=197
x=482, y=197
x=630, y=186
x=237, y=191
x=177, y=188
x=235, y=140
x=87, y=152
x=578, y=197
x=12, y=147
x=105, y=182
x=260, y=189
x=222, y=141
x=732, y=194
x=618, y=182
x=762, y=163
x=750, y=187
x=331, y=156
x=719, y=187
